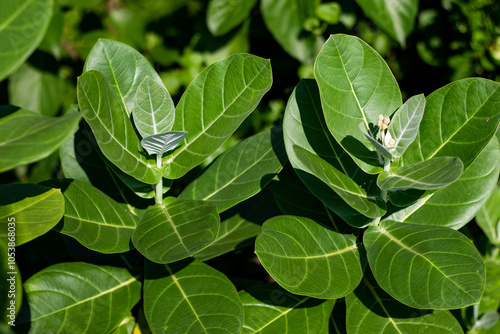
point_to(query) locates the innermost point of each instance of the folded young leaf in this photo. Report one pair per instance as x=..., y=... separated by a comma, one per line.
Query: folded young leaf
x=430, y=174
x=162, y=142
x=383, y=151
x=426, y=267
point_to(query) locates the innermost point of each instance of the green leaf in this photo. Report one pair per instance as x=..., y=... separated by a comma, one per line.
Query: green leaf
x=345, y=187
x=162, y=142
x=456, y=204
x=396, y=18
x=124, y=69
x=490, y=300
x=190, y=298
x=304, y=125
x=371, y=310
x=240, y=172
x=112, y=128
x=270, y=309
x=94, y=219
x=23, y=25
x=285, y=20
x=314, y=252
x=405, y=124
x=126, y=326
x=78, y=297
x=52, y=41
x=488, y=216
x=168, y=233
x=356, y=85
x=224, y=15
x=434, y=173
x=33, y=208
x=213, y=106
x=381, y=149
x=153, y=108
x=26, y=136
x=459, y=120
x=329, y=12
x=425, y=267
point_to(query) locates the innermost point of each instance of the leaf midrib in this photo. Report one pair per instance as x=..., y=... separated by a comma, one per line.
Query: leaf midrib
x=338, y=252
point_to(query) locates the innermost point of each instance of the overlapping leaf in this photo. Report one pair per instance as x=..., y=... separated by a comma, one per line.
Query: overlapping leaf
x=34, y=209
x=191, y=298
x=356, y=86
x=425, y=267
x=488, y=216
x=171, y=232
x=241, y=171
x=162, y=142
x=325, y=263
x=224, y=15
x=270, y=309
x=213, y=106
x=78, y=297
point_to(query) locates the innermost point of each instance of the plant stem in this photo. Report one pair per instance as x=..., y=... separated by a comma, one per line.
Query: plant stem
x=159, y=185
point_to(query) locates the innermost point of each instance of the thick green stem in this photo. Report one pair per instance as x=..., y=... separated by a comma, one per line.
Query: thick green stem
x=159, y=185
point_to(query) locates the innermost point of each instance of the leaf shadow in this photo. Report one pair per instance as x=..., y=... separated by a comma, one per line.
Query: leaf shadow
x=356, y=148
x=154, y=270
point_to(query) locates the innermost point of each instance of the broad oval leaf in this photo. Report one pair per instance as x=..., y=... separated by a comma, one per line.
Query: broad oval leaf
x=426, y=267
x=488, y=216
x=34, y=209
x=430, y=174
x=325, y=263
x=371, y=310
x=192, y=298
x=162, y=142
x=270, y=309
x=356, y=86
x=240, y=172
x=26, y=136
x=154, y=109
x=213, y=106
x=345, y=187
x=224, y=15
x=124, y=69
x=112, y=128
x=78, y=297
x=94, y=219
x=459, y=120
x=397, y=18
x=168, y=233
x=23, y=25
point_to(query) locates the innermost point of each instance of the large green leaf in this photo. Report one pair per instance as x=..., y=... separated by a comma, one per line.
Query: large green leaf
x=26, y=136
x=371, y=310
x=304, y=125
x=94, y=219
x=171, y=232
x=224, y=15
x=78, y=297
x=459, y=120
x=113, y=129
x=213, y=106
x=240, y=172
x=124, y=69
x=325, y=263
x=23, y=25
x=397, y=18
x=190, y=298
x=34, y=209
x=488, y=216
x=368, y=205
x=456, y=204
x=285, y=20
x=425, y=267
x=270, y=309
x=356, y=86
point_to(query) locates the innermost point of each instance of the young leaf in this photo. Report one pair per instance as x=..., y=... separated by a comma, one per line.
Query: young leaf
x=430, y=174
x=381, y=149
x=190, y=297
x=224, y=15
x=168, y=233
x=153, y=111
x=112, y=128
x=35, y=208
x=162, y=142
x=488, y=217
x=213, y=106
x=240, y=172
x=26, y=136
x=78, y=297
x=356, y=85
x=346, y=188
x=405, y=123
x=20, y=36
x=425, y=267
x=325, y=263
x=270, y=309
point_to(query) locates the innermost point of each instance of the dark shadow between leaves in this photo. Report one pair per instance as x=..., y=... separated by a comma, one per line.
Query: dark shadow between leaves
x=12, y=193
x=358, y=150
x=156, y=271
x=7, y=110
